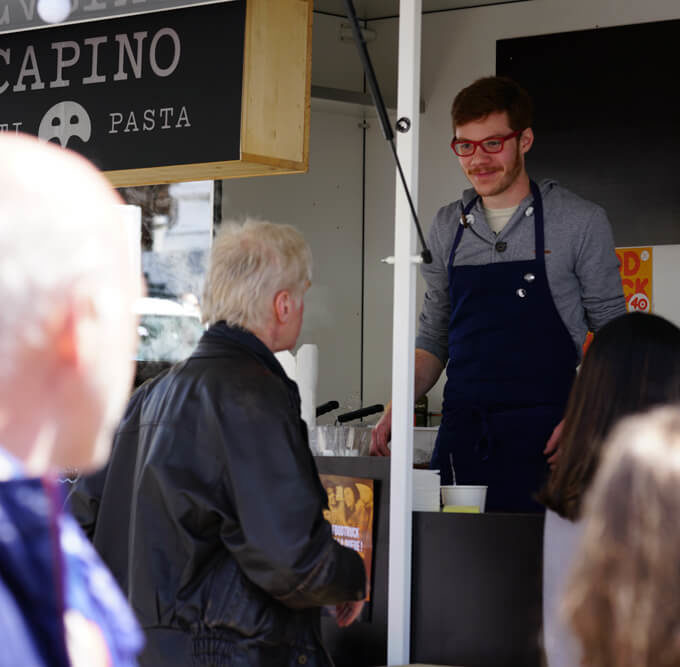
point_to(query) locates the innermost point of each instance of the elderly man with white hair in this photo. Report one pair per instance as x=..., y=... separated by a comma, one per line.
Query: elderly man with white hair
x=210, y=511
x=67, y=338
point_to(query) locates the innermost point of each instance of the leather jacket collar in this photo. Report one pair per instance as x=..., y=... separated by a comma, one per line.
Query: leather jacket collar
x=213, y=340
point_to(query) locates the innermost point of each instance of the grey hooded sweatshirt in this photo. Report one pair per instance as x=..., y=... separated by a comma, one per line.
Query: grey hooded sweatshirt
x=582, y=268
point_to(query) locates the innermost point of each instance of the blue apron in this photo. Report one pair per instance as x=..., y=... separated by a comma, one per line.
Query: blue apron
x=511, y=366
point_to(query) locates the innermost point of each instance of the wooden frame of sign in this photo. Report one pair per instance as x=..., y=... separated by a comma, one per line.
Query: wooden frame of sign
x=275, y=107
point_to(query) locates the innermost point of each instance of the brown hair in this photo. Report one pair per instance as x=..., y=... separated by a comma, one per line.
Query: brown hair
x=623, y=600
x=632, y=364
x=493, y=94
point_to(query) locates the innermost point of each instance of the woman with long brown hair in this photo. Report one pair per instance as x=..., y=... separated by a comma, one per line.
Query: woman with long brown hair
x=632, y=364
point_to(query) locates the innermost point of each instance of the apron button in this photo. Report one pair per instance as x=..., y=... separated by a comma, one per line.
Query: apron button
x=501, y=246
x=529, y=211
x=521, y=292
x=529, y=277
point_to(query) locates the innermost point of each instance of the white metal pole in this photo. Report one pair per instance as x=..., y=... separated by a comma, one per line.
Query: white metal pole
x=401, y=489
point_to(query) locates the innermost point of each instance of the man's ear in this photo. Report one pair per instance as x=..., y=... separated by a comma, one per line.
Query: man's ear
x=526, y=140
x=282, y=306
x=73, y=331
x=64, y=334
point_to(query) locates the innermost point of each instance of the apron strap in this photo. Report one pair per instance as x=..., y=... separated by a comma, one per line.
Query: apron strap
x=539, y=233
x=461, y=227
x=538, y=223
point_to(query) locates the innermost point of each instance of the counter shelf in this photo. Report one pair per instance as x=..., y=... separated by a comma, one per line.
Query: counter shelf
x=476, y=585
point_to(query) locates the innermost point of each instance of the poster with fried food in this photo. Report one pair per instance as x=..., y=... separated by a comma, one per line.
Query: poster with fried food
x=350, y=513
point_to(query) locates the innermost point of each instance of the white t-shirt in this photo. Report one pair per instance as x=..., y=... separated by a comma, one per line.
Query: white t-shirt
x=498, y=217
x=560, y=541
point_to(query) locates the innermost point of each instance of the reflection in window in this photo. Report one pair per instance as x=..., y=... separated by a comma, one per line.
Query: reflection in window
x=168, y=331
x=177, y=227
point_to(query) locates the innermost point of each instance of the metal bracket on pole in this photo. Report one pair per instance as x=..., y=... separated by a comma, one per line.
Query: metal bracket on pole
x=414, y=259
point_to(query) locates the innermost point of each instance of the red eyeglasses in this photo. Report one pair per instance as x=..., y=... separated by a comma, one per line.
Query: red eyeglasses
x=467, y=147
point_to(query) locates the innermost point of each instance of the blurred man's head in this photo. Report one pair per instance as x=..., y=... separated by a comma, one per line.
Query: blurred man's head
x=258, y=275
x=67, y=284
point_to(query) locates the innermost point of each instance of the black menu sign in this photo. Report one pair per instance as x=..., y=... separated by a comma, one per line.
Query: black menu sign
x=144, y=91
x=23, y=14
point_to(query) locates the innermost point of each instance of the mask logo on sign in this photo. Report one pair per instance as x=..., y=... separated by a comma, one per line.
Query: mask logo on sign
x=64, y=121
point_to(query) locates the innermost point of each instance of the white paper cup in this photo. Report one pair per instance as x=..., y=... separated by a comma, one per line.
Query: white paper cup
x=463, y=498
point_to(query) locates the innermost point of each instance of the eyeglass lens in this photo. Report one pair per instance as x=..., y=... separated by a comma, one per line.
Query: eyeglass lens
x=491, y=145
x=464, y=148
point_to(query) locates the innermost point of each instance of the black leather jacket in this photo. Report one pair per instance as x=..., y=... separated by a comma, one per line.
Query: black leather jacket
x=209, y=513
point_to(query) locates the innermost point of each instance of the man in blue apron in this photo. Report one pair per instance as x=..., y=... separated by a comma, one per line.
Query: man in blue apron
x=520, y=272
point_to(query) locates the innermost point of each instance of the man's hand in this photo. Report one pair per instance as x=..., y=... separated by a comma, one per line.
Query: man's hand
x=552, y=449
x=347, y=612
x=427, y=370
x=381, y=435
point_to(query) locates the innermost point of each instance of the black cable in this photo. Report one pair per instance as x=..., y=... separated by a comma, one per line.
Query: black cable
x=363, y=257
x=381, y=110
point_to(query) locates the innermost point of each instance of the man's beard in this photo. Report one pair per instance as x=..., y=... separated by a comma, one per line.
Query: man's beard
x=508, y=179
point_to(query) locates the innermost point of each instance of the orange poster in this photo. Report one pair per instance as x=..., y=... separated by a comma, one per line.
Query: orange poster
x=636, y=276
x=635, y=268
x=350, y=513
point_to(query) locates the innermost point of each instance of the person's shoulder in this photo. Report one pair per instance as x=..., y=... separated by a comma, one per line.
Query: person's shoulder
x=19, y=642
x=450, y=212
x=232, y=375
x=242, y=370
x=560, y=530
x=137, y=401
x=246, y=383
x=565, y=206
x=443, y=224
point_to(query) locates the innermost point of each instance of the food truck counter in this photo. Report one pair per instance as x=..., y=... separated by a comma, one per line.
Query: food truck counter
x=476, y=585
